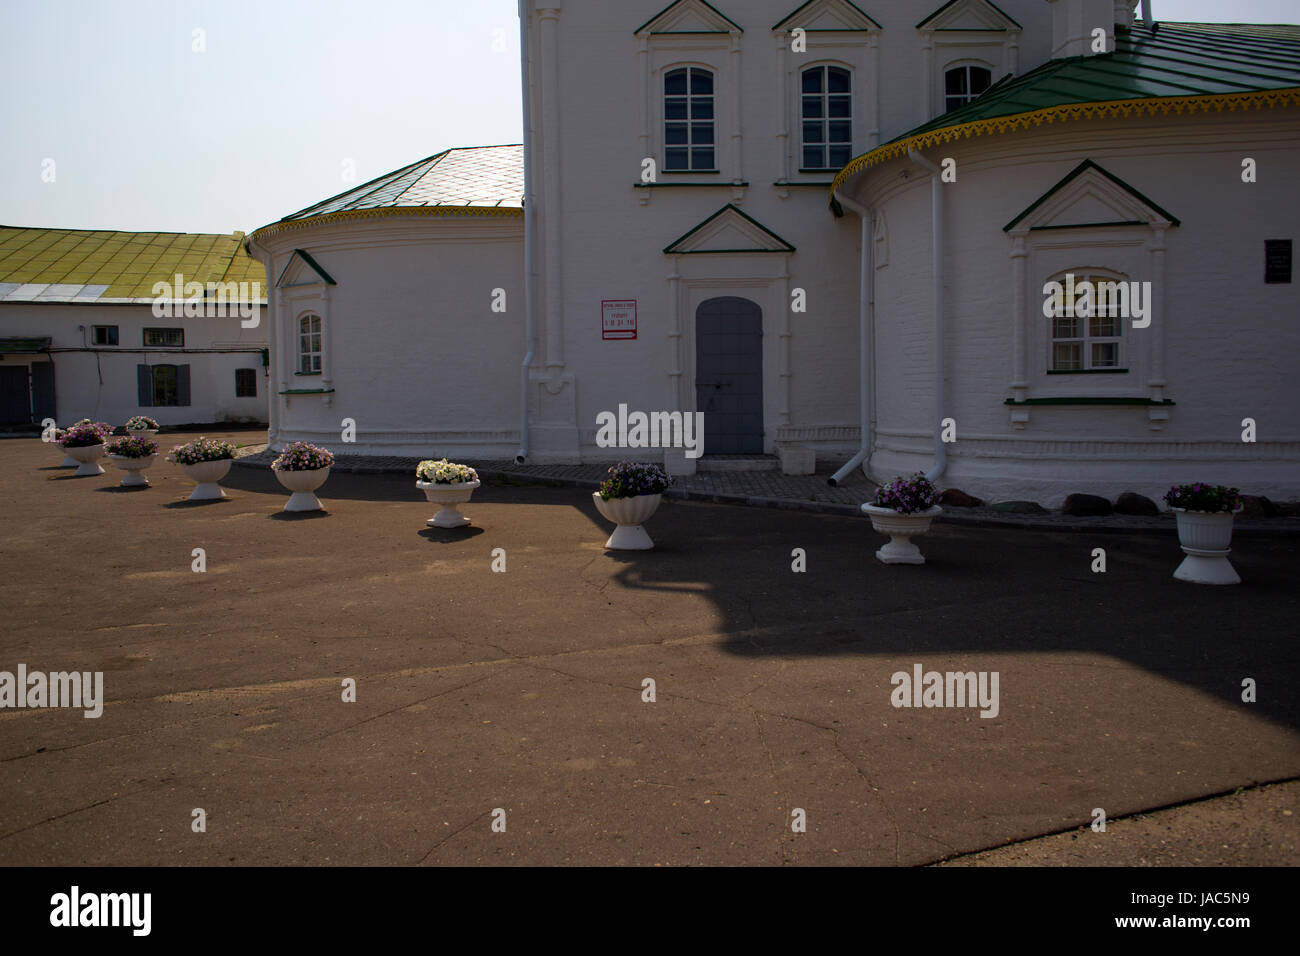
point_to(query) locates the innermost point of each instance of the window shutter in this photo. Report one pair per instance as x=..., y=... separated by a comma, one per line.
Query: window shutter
x=144, y=385
x=182, y=384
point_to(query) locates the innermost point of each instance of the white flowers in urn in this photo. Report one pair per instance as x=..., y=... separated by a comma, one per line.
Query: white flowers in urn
x=205, y=461
x=141, y=425
x=447, y=484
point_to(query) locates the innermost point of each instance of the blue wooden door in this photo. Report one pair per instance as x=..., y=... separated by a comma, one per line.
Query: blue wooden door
x=15, y=399
x=729, y=375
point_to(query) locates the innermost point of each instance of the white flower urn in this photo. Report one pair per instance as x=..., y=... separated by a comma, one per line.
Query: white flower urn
x=87, y=459
x=450, y=497
x=206, y=474
x=629, y=514
x=303, y=484
x=901, y=528
x=1206, y=539
x=134, y=468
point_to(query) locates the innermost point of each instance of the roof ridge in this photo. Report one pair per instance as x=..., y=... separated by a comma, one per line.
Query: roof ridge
x=125, y=232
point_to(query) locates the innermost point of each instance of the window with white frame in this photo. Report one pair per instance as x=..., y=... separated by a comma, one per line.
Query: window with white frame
x=689, y=131
x=1087, y=323
x=964, y=83
x=826, y=113
x=309, y=350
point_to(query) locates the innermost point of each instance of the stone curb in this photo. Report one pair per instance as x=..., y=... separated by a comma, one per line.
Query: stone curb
x=979, y=517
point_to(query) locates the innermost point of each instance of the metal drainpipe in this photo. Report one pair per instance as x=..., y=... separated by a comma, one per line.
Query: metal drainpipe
x=866, y=303
x=530, y=326
x=272, y=387
x=936, y=269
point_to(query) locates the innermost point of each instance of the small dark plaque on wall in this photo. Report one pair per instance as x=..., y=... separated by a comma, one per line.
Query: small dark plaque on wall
x=1277, y=260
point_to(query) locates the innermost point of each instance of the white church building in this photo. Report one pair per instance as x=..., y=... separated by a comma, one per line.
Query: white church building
x=861, y=235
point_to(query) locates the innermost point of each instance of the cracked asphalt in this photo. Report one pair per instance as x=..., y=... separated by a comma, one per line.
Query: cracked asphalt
x=523, y=691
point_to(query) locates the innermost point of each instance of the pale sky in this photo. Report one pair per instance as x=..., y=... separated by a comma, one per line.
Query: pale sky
x=147, y=132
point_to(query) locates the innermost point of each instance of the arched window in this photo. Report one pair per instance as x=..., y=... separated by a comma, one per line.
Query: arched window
x=688, y=120
x=964, y=83
x=1087, y=311
x=827, y=113
x=309, y=350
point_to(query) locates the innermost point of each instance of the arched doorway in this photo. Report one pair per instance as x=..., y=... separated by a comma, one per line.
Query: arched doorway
x=729, y=375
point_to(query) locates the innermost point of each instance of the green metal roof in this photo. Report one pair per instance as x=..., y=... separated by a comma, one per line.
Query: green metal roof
x=1174, y=61
x=85, y=265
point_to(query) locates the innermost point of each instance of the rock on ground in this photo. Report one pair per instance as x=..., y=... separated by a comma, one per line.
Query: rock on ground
x=1090, y=506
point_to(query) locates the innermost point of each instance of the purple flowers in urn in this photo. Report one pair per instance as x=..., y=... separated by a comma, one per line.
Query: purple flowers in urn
x=629, y=479
x=133, y=446
x=301, y=456
x=907, y=495
x=85, y=433
x=1202, y=497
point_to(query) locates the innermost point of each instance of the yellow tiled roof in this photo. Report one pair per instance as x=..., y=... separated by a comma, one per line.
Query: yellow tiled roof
x=83, y=265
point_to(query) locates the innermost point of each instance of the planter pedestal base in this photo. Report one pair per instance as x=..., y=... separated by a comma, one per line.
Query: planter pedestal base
x=303, y=501
x=629, y=537
x=1207, y=567
x=133, y=479
x=69, y=462
x=87, y=469
x=207, y=491
x=900, y=550
x=448, y=517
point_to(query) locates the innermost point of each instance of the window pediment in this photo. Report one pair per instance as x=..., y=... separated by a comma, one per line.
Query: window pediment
x=302, y=269
x=828, y=16
x=688, y=17
x=729, y=230
x=968, y=15
x=1087, y=198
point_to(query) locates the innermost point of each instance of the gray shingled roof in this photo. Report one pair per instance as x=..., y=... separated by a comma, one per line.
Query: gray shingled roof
x=474, y=176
